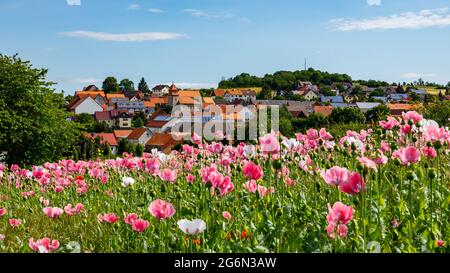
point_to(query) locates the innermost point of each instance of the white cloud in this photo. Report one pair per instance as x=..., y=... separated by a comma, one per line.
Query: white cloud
x=374, y=2
x=124, y=37
x=209, y=15
x=73, y=2
x=415, y=75
x=133, y=7
x=406, y=20
x=155, y=10
x=192, y=85
x=76, y=80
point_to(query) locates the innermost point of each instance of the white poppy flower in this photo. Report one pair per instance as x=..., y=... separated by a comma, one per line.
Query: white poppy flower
x=127, y=181
x=193, y=227
x=249, y=151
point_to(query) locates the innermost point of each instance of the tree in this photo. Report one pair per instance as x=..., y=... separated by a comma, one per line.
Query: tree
x=326, y=91
x=439, y=112
x=143, y=86
x=126, y=85
x=139, y=151
x=378, y=113
x=414, y=96
x=123, y=146
x=266, y=93
x=138, y=120
x=110, y=85
x=347, y=115
x=34, y=124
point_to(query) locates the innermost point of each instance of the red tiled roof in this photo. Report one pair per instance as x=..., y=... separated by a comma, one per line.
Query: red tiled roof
x=106, y=115
x=104, y=138
x=137, y=133
x=122, y=133
x=324, y=110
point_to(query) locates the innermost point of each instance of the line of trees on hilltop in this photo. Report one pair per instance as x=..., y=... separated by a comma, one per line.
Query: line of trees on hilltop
x=284, y=80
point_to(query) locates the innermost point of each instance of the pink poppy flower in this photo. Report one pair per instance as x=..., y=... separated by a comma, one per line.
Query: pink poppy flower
x=325, y=135
x=110, y=218
x=53, y=212
x=335, y=175
x=407, y=155
x=44, y=245
x=196, y=139
x=381, y=160
x=389, y=124
x=73, y=211
x=226, y=215
x=252, y=171
x=429, y=152
x=251, y=186
x=190, y=178
x=269, y=144
x=15, y=222
x=2, y=212
x=2, y=237
x=168, y=175
x=152, y=165
x=130, y=218
x=161, y=209
x=140, y=225
x=353, y=185
x=412, y=115
x=368, y=163
x=338, y=217
x=440, y=243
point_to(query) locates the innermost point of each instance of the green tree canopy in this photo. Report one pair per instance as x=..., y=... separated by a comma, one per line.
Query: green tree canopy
x=110, y=85
x=34, y=124
x=126, y=85
x=143, y=86
x=378, y=113
x=347, y=115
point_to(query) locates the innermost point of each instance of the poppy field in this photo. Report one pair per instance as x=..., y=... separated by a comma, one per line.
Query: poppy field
x=384, y=189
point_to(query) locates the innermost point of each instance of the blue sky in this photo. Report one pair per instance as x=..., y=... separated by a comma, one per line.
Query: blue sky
x=197, y=42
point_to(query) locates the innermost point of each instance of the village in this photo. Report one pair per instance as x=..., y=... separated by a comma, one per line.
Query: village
x=117, y=110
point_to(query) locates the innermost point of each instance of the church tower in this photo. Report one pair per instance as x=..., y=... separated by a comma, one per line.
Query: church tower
x=174, y=95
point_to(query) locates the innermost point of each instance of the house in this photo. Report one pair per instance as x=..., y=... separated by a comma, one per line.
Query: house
x=219, y=93
x=238, y=94
x=134, y=95
x=131, y=106
x=420, y=92
x=99, y=96
x=117, y=118
x=323, y=110
x=397, y=109
x=299, y=111
x=161, y=90
x=85, y=105
x=105, y=116
x=366, y=106
x=91, y=88
x=122, y=134
x=399, y=97
x=190, y=98
x=342, y=105
x=140, y=136
x=163, y=142
x=106, y=138
x=113, y=98
x=310, y=95
x=155, y=103
x=379, y=98
x=333, y=99
x=160, y=122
